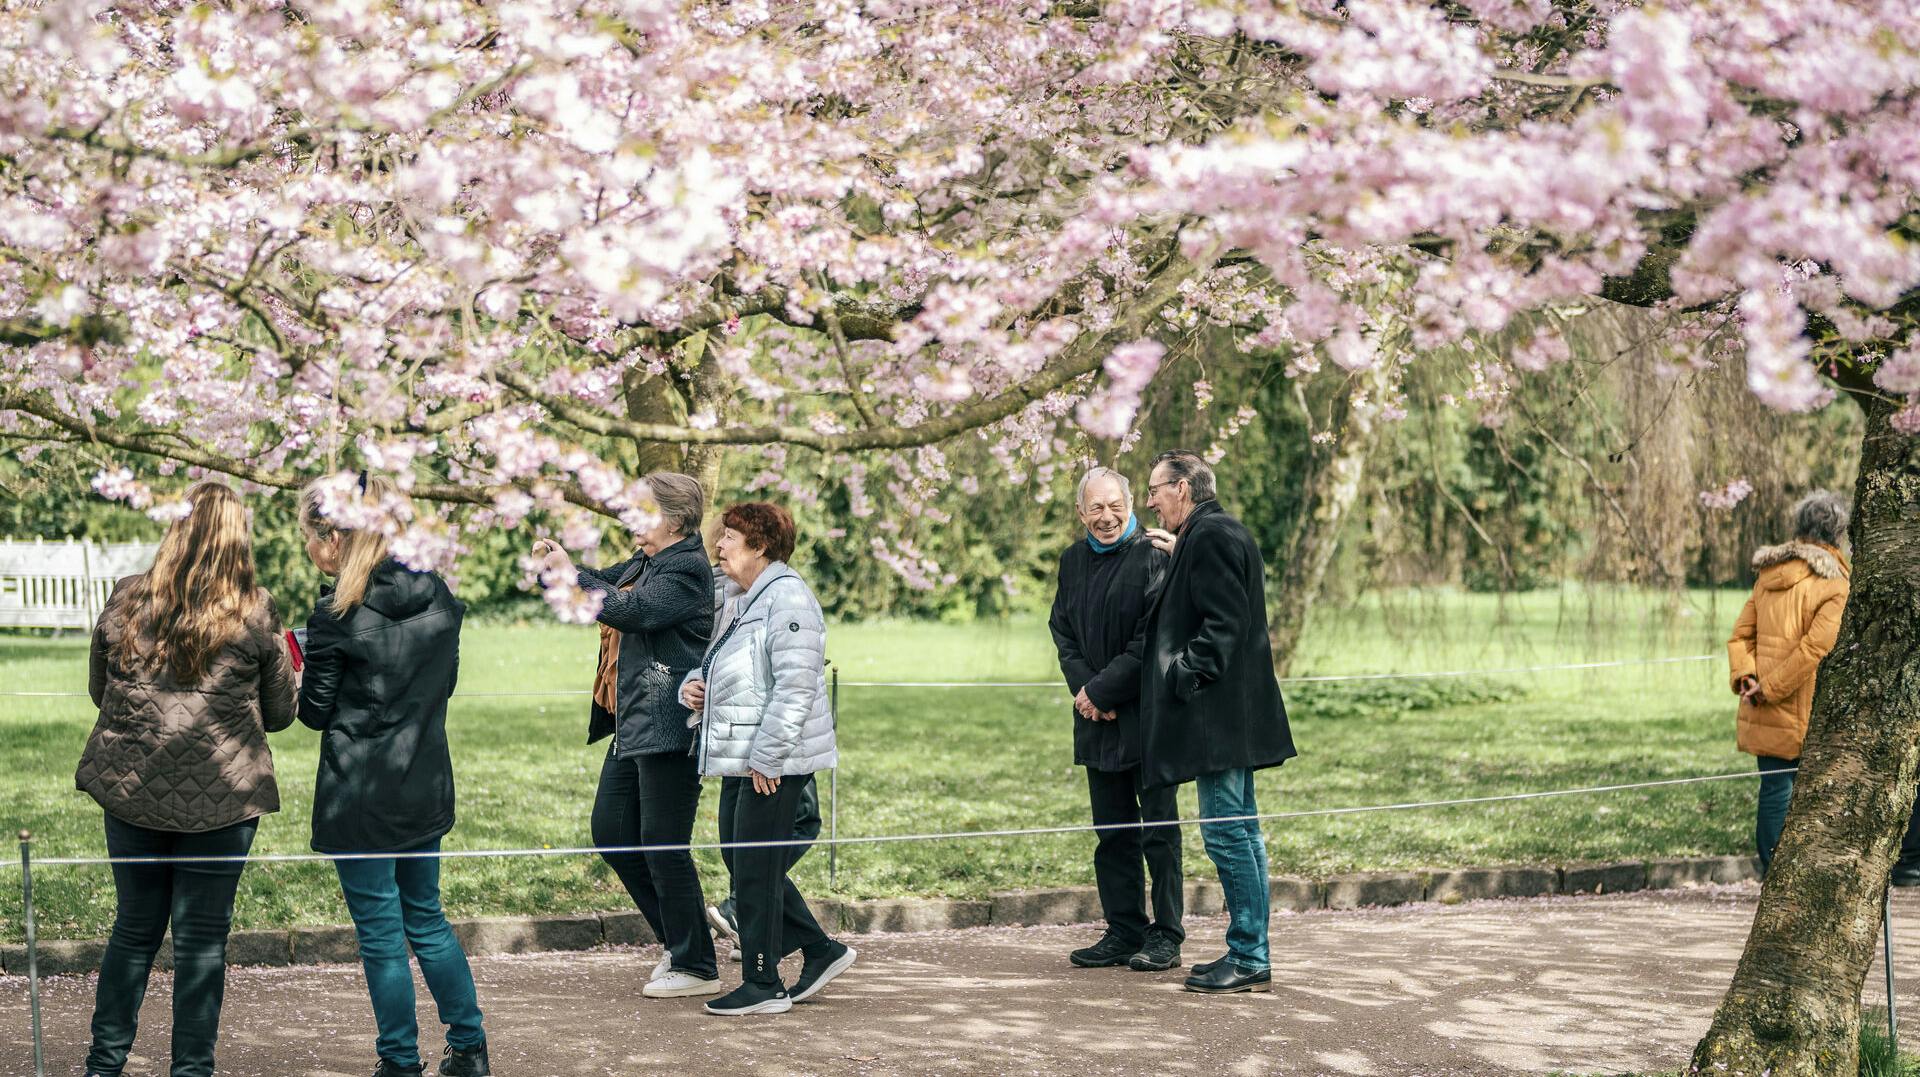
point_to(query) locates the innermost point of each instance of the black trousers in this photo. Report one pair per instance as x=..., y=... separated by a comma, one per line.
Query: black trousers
x=1910, y=845
x=1117, y=858
x=806, y=822
x=198, y=899
x=774, y=918
x=651, y=800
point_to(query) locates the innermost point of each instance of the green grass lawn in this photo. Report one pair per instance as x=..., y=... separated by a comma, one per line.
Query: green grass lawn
x=918, y=760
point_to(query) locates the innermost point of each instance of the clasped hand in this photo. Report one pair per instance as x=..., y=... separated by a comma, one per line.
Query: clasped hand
x=1090, y=712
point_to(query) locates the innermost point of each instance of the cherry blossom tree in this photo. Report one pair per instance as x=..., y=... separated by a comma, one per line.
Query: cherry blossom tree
x=517, y=253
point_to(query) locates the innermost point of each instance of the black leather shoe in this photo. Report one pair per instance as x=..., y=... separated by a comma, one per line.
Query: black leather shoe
x=390, y=1068
x=1906, y=875
x=465, y=1062
x=1158, y=955
x=1227, y=977
x=1104, y=954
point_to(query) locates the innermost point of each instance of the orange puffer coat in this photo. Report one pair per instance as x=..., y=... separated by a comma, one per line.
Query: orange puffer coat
x=1787, y=626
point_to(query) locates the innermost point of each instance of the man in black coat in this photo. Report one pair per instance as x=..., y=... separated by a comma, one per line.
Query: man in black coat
x=1210, y=704
x=1098, y=624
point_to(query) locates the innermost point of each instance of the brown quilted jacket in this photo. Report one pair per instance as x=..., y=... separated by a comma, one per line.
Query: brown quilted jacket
x=188, y=758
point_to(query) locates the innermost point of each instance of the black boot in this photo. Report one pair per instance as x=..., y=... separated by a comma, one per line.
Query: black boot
x=466, y=1062
x=390, y=1068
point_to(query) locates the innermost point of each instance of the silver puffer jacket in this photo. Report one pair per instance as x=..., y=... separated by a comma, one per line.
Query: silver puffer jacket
x=767, y=706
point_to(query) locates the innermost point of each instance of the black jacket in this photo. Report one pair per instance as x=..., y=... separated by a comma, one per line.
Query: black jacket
x=1209, y=699
x=1099, y=628
x=376, y=685
x=664, y=623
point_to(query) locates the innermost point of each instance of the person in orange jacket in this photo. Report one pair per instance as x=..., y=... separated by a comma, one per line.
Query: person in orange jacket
x=1787, y=626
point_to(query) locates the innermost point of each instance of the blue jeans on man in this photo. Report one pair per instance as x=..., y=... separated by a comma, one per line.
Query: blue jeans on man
x=395, y=903
x=1239, y=854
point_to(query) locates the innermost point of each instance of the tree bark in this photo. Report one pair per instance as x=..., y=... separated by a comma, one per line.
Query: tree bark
x=653, y=399
x=1794, y=1006
x=1331, y=491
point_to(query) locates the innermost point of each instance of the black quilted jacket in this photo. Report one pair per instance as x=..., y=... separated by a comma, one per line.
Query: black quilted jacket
x=188, y=758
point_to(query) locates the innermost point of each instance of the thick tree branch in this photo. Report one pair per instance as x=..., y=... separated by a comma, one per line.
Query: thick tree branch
x=73, y=430
x=1081, y=357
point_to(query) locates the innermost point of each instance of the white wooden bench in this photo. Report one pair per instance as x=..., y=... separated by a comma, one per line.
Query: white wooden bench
x=64, y=583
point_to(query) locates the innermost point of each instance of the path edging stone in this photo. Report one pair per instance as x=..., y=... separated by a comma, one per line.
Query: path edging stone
x=333, y=944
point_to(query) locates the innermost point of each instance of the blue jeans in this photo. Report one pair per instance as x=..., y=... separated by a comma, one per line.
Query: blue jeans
x=1776, y=790
x=395, y=904
x=1239, y=854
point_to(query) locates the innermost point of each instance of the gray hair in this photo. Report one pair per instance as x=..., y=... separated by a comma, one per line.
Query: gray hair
x=1080, y=492
x=1186, y=464
x=1822, y=516
x=680, y=498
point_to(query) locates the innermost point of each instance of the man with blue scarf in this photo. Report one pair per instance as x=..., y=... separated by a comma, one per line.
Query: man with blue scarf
x=1107, y=583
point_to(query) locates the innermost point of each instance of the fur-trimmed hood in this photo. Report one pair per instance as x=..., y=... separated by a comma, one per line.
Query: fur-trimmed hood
x=1782, y=566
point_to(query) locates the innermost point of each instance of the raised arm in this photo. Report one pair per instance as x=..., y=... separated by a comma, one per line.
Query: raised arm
x=667, y=598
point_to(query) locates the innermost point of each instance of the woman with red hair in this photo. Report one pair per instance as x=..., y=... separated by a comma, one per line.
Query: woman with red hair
x=765, y=725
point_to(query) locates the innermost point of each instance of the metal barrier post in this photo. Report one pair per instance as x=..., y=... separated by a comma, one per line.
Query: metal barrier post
x=833, y=792
x=1886, y=942
x=33, y=952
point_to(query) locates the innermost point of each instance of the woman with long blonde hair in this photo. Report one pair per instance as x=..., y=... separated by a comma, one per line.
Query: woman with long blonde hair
x=382, y=653
x=190, y=674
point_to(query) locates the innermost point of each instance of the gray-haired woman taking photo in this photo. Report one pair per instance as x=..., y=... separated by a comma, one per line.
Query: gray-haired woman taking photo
x=655, y=619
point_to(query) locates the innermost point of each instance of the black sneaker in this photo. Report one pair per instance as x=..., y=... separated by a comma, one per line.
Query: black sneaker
x=1906, y=875
x=725, y=923
x=1105, y=954
x=815, y=973
x=751, y=998
x=390, y=1068
x=465, y=1062
x=1158, y=955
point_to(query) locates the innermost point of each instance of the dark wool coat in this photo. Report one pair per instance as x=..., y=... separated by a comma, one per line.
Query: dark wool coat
x=1209, y=698
x=188, y=757
x=1099, y=627
x=376, y=685
x=664, y=621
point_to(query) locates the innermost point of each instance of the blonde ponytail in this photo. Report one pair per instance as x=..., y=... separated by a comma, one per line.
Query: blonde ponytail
x=361, y=551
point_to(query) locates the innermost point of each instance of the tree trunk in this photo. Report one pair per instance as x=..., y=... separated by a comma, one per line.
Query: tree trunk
x=1794, y=1006
x=1331, y=492
x=654, y=399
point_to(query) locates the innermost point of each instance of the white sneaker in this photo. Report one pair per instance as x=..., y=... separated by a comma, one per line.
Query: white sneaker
x=665, y=966
x=681, y=985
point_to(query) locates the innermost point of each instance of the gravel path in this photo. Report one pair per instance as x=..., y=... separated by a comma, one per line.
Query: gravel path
x=1584, y=984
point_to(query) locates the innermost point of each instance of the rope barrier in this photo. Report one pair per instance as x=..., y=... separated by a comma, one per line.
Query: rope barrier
x=884, y=839
x=1322, y=679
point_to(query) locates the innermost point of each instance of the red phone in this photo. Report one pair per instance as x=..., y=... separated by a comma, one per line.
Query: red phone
x=293, y=649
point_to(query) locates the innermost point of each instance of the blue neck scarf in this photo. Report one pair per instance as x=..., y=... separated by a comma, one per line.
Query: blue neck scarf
x=1133, y=524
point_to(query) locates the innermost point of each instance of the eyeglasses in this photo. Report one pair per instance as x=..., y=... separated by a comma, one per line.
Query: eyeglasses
x=1152, y=486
